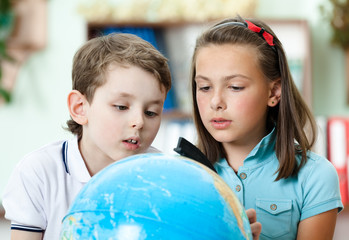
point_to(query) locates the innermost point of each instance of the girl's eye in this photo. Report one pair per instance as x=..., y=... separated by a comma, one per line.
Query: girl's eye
x=204, y=89
x=121, y=107
x=236, y=88
x=150, y=113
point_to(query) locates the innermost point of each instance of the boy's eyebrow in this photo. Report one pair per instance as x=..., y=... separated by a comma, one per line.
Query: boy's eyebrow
x=125, y=94
x=128, y=95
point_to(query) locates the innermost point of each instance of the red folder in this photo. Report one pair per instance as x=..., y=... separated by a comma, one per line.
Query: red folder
x=338, y=151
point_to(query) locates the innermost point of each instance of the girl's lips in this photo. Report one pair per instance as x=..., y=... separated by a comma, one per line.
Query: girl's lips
x=220, y=123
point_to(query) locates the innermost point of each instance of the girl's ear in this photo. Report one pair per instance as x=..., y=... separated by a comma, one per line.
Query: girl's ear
x=77, y=104
x=275, y=93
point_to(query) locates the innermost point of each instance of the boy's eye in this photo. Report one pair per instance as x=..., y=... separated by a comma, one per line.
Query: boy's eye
x=121, y=107
x=150, y=113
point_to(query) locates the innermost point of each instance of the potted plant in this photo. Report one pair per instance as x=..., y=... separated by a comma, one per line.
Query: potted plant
x=22, y=32
x=339, y=20
x=6, y=20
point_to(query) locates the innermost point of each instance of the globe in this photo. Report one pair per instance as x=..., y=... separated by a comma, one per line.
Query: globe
x=156, y=196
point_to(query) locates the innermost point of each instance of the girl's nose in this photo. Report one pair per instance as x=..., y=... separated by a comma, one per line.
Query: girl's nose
x=217, y=101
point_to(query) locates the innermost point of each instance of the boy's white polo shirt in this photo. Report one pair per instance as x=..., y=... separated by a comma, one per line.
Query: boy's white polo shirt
x=46, y=181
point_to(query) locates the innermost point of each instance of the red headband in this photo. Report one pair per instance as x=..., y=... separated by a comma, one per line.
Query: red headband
x=267, y=36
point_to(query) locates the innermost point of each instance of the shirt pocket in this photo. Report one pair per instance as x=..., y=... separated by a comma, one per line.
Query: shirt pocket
x=275, y=215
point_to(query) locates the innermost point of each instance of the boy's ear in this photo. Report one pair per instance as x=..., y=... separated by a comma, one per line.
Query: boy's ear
x=275, y=93
x=77, y=107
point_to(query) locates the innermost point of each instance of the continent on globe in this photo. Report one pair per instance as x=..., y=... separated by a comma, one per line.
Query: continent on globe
x=156, y=196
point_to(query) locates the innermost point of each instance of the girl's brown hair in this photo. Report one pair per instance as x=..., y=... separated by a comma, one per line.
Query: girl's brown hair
x=92, y=60
x=290, y=116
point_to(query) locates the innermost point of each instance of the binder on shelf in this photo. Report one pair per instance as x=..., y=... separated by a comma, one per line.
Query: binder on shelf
x=149, y=35
x=338, y=151
x=145, y=33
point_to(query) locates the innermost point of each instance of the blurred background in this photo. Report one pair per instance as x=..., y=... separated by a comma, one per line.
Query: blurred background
x=38, y=39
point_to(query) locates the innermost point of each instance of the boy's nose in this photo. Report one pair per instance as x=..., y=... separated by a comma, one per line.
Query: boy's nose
x=137, y=122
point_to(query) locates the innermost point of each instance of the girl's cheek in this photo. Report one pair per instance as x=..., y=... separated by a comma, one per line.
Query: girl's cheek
x=241, y=104
x=202, y=103
x=240, y=107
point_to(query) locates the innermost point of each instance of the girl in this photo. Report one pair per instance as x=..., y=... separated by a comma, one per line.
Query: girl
x=250, y=120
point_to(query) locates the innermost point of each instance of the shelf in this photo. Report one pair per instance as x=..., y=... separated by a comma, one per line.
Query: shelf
x=145, y=24
x=176, y=115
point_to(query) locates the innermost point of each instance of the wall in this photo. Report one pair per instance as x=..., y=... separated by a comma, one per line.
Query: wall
x=38, y=110
x=329, y=96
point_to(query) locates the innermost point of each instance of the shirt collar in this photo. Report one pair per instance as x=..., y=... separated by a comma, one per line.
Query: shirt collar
x=265, y=147
x=261, y=151
x=74, y=161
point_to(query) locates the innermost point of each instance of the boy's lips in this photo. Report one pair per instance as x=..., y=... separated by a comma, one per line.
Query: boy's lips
x=220, y=123
x=132, y=143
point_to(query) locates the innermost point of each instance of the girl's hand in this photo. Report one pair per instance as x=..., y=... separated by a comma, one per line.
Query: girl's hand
x=256, y=227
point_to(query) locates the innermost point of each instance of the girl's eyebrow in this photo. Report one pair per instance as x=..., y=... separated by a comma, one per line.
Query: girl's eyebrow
x=235, y=76
x=201, y=77
x=226, y=78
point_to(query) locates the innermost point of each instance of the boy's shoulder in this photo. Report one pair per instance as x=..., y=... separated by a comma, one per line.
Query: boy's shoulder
x=48, y=156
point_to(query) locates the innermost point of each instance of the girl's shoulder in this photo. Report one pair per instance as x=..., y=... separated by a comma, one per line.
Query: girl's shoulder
x=319, y=181
x=318, y=167
x=317, y=160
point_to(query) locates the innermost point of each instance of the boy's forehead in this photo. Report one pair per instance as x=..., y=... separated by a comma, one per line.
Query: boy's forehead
x=114, y=65
x=132, y=81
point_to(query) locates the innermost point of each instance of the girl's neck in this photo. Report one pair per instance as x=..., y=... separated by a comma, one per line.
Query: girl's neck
x=236, y=152
x=236, y=155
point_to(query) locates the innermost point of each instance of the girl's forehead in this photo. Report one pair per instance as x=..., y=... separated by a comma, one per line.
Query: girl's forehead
x=228, y=46
x=227, y=53
x=228, y=61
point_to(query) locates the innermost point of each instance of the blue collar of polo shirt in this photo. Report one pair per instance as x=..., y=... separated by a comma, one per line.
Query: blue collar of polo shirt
x=261, y=151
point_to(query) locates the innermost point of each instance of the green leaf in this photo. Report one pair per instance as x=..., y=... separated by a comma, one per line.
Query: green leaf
x=6, y=21
x=5, y=6
x=6, y=95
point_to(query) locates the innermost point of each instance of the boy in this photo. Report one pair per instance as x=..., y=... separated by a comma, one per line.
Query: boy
x=120, y=83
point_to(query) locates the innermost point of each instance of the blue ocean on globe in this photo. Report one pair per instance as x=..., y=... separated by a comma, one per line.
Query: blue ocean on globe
x=156, y=196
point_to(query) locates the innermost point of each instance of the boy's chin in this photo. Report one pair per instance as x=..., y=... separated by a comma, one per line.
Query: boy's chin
x=130, y=153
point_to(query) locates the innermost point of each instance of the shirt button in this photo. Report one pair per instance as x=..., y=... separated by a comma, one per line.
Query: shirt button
x=243, y=176
x=273, y=207
x=238, y=188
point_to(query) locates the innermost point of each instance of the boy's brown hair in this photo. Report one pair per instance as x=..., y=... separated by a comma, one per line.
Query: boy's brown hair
x=92, y=60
